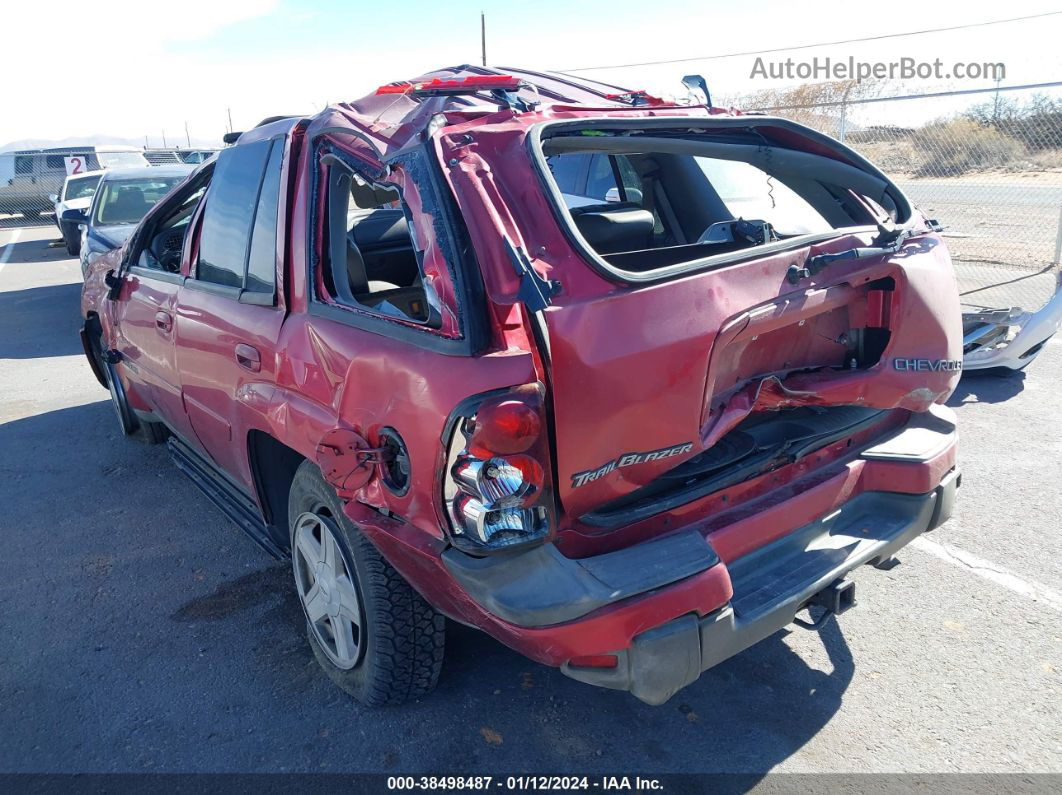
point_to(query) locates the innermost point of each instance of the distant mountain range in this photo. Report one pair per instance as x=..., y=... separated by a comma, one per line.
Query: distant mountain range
x=101, y=140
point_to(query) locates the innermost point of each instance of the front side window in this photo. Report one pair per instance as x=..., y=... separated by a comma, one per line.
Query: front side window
x=126, y=201
x=163, y=249
x=24, y=164
x=54, y=162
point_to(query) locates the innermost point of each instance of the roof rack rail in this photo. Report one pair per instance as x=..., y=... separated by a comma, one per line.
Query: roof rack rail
x=234, y=136
x=271, y=119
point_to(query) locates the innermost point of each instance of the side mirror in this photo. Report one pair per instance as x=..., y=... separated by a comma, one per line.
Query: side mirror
x=53, y=197
x=612, y=195
x=114, y=284
x=74, y=217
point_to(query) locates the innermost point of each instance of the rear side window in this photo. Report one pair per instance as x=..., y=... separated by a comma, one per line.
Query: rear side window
x=53, y=162
x=229, y=214
x=388, y=259
x=262, y=262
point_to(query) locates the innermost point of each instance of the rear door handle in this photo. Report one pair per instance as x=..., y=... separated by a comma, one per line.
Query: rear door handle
x=248, y=358
x=164, y=321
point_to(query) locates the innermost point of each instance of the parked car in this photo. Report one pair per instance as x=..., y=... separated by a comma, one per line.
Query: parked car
x=628, y=439
x=28, y=178
x=121, y=199
x=76, y=194
x=162, y=157
x=196, y=156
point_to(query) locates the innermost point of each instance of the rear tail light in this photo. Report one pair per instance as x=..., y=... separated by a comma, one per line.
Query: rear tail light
x=505, y=426
x=496, y=486
x=511, y=482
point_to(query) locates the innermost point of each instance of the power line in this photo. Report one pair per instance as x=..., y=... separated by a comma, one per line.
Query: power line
x=820, y=44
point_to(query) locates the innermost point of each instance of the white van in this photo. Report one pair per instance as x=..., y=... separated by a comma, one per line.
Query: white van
x=29, y=176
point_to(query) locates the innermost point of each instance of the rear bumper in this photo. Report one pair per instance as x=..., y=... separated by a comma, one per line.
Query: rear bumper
x=770, y=587
x=669, y=608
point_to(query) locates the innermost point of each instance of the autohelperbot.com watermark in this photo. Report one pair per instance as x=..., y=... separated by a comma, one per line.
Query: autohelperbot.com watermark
x=851, y=68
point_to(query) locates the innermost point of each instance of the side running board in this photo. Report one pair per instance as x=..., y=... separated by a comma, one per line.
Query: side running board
x=232, y=502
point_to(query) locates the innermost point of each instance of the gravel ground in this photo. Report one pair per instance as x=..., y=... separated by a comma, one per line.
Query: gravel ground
x=144, y=632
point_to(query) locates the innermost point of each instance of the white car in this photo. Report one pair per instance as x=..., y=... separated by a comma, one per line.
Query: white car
x=29, y=176
x=76, y=194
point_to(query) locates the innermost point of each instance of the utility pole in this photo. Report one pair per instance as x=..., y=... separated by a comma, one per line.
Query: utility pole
x=163, y=139
x=145, y=142
x=229, y=111
x=483, y=35
x=187, y=137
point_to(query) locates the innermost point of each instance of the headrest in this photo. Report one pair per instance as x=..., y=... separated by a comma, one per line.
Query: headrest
x=612, y=228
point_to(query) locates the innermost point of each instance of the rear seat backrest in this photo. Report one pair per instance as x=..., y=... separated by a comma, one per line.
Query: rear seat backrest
x=612, y=228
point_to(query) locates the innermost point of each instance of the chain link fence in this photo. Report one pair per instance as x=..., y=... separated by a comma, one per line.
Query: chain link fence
x=32, y=180
x=991, y=174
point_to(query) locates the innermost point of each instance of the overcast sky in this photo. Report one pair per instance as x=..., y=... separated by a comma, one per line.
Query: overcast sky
x=120, y=68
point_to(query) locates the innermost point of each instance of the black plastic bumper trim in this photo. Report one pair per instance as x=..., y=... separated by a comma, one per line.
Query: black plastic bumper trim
x=771, y=585
x=539, y=586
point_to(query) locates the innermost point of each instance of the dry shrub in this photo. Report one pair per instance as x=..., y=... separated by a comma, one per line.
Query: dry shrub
x=959, y=146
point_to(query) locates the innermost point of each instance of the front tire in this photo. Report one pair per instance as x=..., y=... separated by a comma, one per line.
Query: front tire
x=375, y=637
x=146, y=431
x=72, y=239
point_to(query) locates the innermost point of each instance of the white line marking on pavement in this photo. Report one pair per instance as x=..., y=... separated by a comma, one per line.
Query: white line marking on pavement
x=9, y=246
x=990, y=571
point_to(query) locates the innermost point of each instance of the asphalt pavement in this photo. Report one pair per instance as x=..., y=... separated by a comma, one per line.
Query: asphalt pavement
x=143, y=632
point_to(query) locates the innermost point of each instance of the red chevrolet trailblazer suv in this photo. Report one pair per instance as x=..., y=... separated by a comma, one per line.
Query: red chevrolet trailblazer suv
x=624, y=383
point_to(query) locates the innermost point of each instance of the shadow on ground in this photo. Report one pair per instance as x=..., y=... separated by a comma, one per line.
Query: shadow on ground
x=40, y=321
x=987, y=386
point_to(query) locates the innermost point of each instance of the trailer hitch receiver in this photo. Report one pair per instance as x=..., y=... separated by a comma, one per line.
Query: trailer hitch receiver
x=835, y=598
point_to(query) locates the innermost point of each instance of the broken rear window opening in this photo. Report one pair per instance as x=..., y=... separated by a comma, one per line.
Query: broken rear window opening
x=649, y=200
x=375, y=258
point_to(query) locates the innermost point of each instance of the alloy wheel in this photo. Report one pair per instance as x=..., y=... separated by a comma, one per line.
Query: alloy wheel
x=327, y=589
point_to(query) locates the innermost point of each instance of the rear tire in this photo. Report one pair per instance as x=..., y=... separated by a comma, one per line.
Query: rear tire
x=390, y=650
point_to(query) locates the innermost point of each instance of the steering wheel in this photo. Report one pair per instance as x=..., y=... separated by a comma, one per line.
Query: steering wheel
x=167, y=249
